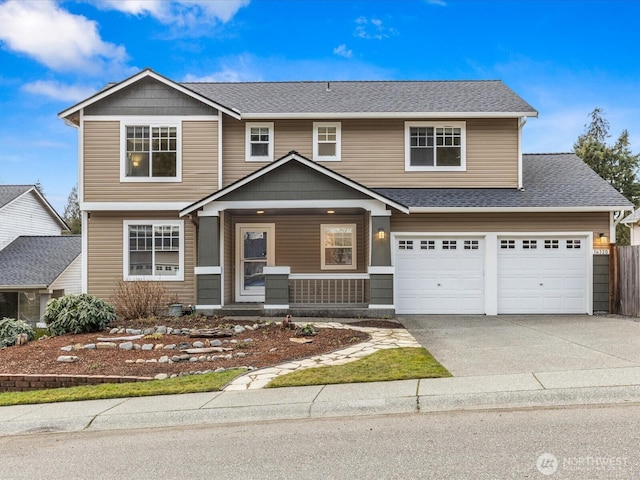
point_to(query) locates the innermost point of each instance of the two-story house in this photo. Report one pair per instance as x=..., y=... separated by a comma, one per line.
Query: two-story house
x=37, y=262
x=405, y=197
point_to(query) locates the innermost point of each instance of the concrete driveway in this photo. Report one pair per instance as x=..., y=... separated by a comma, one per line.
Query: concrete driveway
x=471, y=345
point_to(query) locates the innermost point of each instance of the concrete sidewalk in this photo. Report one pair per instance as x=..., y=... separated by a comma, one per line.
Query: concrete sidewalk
x=543, y=389
x=497, y=362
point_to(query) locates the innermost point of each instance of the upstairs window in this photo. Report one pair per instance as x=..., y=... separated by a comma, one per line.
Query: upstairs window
x=151, y=153
x=259, y=142
x=435, y=146
x=326, y=141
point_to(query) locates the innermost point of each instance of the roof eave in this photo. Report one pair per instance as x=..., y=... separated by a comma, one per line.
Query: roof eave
x=24, y=287
x=349, y=115
x=517, y=209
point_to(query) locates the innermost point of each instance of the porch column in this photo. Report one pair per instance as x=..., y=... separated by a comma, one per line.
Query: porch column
x=380, y=270
x=208, y=270
x=276, y=288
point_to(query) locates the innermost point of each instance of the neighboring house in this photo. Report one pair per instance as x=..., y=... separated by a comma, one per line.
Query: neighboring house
x=391, y=197
x=36, y=269
x=633, y=222
x=25, y=211
x=36, y=261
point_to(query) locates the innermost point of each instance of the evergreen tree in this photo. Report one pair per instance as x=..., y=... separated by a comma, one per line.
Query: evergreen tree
x=615, y=163
x=72, y=213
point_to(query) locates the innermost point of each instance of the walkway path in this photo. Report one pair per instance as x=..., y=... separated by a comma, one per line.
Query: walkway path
x=381, y=338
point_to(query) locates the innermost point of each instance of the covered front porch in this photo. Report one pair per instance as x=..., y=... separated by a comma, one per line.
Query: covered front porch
x=294, y=237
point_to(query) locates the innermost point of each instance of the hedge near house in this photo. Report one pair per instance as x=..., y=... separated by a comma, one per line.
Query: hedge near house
x=10, y=329
x=78, y=314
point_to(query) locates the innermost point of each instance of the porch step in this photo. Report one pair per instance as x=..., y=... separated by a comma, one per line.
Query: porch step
x=242, y=310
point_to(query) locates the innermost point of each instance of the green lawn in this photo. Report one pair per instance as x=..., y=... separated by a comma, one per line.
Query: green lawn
x=383, y=365
x=188, y=384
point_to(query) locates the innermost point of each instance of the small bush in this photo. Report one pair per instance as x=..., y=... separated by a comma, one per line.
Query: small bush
x=78, y=314
x=141, y=299
x=10, y=328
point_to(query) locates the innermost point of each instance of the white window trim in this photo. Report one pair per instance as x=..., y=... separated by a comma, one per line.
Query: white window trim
x=327, y=158
x=125, y=251
x=150, y=122
x=354, y=252
x=407, y=146
x=247, y=135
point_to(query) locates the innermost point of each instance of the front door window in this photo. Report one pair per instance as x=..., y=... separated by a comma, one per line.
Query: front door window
x=255, y=247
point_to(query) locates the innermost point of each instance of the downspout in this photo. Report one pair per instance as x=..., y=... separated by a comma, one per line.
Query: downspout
x=521, y=123
x=219, y=150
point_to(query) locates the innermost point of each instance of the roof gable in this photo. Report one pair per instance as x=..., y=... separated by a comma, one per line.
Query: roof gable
x=292, y=178
x=8, y=193
x=70, y=114
x=11, y=193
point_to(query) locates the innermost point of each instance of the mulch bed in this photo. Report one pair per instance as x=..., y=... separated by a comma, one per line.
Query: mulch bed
x=270, y=345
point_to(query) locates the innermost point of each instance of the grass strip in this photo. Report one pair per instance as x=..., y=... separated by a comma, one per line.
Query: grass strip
x=384, y=365
x=208, y=382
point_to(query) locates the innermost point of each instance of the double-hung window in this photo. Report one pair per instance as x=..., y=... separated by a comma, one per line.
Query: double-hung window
x=259, y=142
x=151, y=152
x=435, y=146
x=326, y=141
x=153, y=250
x=338, y=247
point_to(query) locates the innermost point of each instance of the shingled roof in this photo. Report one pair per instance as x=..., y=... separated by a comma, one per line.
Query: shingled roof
x=555, y=180
x=37, y=261
x=484, y=96
x=8, y=193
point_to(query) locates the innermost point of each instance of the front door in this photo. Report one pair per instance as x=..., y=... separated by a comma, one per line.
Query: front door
x=254, y=251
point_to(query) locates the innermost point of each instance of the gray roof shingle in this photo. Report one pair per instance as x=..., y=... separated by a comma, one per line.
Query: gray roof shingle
x=471, y=96
x=555, y=180
x=37, y=260
x=9, y=193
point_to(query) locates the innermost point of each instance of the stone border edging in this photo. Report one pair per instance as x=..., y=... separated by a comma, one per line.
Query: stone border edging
x=17, y=382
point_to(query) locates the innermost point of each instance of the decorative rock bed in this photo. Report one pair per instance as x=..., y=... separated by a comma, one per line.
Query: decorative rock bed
x=191, y=352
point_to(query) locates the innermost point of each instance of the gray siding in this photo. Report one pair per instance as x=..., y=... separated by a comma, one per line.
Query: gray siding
x=601, y=283
x=149, y=97
x=381, y=292
x=381, y=249
x=209, y=289
x=208, y=242
x=276, y=290
x=294, y=181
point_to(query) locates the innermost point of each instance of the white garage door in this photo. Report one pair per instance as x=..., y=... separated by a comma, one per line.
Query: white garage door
x=439, y=275
x=542, y=275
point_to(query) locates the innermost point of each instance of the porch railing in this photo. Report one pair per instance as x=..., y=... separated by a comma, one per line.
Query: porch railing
x=329, y=289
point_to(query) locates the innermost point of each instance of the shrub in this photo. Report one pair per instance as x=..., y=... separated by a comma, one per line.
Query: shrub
x=141, y=299
x=10, y=328
x=78, y=314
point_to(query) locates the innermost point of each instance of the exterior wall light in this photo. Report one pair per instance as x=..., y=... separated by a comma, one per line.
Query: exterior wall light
x=380, y=234
x=604, y=238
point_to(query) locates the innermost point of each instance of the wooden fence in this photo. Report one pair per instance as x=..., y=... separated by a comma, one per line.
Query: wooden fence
x=628, y=287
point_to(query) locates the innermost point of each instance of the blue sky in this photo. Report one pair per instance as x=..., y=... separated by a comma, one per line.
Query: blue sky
x=563, y=57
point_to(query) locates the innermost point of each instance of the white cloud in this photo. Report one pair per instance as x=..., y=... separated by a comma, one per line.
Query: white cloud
x=243, y=68
x=373, y=29
x=440, y=3
x=56, y=38
x=178, y=12
x=58, y=91
x=343, y=51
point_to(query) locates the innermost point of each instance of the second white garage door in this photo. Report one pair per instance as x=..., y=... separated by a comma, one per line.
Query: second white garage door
x=439, y=275
x=542, y=275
